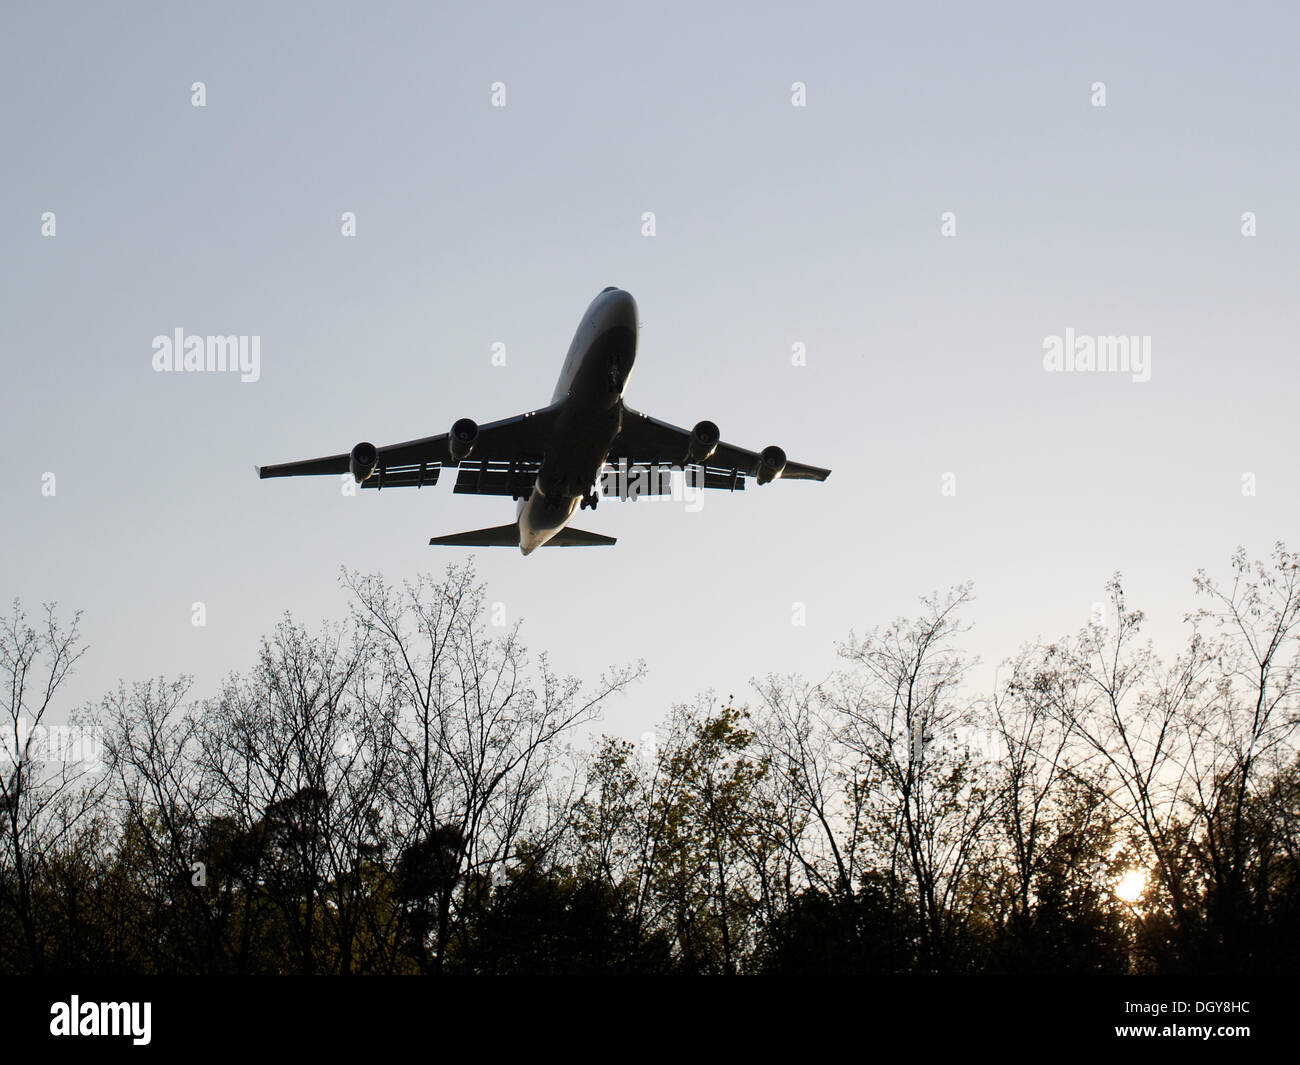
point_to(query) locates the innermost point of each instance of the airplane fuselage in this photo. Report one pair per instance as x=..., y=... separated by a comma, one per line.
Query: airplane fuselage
x=588, y=405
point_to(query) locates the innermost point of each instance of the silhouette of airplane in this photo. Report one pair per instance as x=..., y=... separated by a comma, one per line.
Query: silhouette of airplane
x=549, y=459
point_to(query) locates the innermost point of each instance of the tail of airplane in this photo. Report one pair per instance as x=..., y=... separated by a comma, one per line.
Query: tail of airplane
x=508, y=536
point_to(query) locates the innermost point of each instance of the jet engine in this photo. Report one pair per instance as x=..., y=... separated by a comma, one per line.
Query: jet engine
x=362, y=461
x=703, y=443
x=462, y=438
x=771, y=462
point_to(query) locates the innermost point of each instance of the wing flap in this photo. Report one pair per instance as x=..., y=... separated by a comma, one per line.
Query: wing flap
x=648, y=441
x=509, y=440
x=415, y=475
x=493, y=478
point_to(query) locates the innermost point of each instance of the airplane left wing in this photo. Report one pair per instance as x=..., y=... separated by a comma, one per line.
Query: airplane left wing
x=511, y=442
x=648, y=441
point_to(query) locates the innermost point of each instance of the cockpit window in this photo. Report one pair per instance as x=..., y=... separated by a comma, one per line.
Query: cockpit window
x=610, y=288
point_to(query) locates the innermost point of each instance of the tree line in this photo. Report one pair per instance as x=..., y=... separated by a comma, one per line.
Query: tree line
x=409, y=791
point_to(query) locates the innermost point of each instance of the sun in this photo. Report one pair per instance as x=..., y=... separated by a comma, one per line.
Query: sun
x=1130, y=886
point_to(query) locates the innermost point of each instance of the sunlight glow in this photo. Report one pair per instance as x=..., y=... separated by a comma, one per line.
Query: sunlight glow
x=1130, y=886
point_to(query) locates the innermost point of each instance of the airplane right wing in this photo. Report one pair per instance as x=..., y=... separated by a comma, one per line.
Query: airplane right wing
x=511, y=444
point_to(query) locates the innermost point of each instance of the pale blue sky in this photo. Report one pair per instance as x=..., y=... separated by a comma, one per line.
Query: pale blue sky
x=775, y=225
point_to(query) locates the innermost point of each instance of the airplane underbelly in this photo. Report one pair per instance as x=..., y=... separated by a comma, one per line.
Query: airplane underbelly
x=583, y=438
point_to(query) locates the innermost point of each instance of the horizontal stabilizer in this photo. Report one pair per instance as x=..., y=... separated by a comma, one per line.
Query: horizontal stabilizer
x=508, y=536
x=498, y=536
x=579, y=538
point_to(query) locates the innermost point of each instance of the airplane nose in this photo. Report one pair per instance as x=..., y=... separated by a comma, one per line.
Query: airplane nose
x=621, y=309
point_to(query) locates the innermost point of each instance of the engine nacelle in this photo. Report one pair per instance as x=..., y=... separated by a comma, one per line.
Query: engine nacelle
x=362, y=461
x=703, y=443
x=771, y=463
x=462, y=438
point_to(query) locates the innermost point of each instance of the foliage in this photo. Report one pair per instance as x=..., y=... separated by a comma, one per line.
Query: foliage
x=401, y=794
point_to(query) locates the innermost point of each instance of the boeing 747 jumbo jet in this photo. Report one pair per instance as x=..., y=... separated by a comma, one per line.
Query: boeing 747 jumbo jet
x=549, y=460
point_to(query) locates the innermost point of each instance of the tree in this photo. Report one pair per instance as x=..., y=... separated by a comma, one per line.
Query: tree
x=1241, y=745
x=43, y=799
x=924, y=798
x=476, y=740
x=681, y=838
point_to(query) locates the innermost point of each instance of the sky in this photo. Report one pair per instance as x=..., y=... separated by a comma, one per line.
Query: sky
x=950, y=195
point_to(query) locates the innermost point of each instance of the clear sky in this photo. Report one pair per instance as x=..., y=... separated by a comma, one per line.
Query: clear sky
x=776, y=225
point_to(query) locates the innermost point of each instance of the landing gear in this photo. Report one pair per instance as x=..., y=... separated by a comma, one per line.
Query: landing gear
x=589, y=500
x=615, y=383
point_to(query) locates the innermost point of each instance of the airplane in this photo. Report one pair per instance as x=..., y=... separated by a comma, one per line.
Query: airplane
x=549, y=459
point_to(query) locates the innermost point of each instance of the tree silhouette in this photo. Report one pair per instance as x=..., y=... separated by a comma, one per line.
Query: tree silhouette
x=402, y=793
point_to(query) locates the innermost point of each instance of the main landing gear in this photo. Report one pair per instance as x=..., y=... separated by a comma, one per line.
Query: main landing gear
x=589, y=500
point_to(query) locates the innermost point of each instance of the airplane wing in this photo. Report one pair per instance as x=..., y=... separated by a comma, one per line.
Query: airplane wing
x=511, y=444
x=648, y=441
